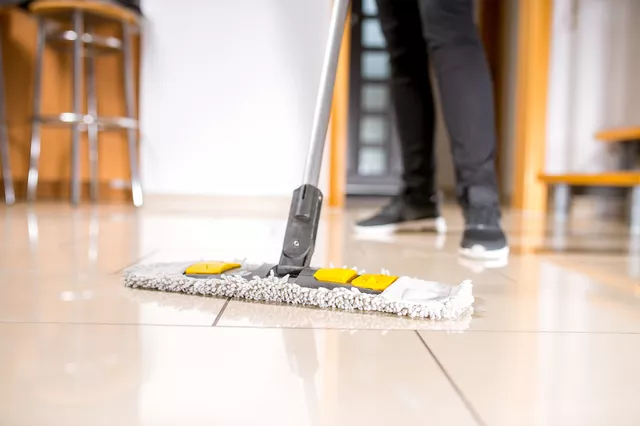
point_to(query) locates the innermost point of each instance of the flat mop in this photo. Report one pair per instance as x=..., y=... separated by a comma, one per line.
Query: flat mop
x=292, y=280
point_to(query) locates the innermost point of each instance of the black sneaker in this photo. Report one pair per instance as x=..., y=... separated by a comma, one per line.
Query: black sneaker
x=483, y=237
x=401, y=215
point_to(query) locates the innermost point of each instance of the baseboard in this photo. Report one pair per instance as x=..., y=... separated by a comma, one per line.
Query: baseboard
x=241, y=205
x=61, y=191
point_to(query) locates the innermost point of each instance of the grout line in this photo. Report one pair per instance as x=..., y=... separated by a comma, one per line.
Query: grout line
x=273, y=327
x=507, y=277
x=462, y=396
x=138, y=260
x=364, y=329
x=215, y=322
x=542, y=331
x=84, y=323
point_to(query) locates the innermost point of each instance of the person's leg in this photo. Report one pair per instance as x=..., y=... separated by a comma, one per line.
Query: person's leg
x=466, y=93
x=412, y=101
x=410, y=92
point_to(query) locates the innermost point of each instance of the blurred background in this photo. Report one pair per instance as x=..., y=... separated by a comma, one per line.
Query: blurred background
x=224, y=91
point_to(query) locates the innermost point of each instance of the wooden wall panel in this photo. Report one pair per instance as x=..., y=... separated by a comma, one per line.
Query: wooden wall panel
x=534, y=43
x=339, y=126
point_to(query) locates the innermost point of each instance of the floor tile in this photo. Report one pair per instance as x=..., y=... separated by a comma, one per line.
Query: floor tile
x=52, y=226
x=254, y=239
x=57, y=297
x=130, y=375
x=550, y=379
x=443, y=268
x=555, y=295
x=84, y=349
x=610, y=270
x=530, y=294
x=80, y=259
x=550, y=292
x=75, y=242
x=252, y=314
x=403, y=259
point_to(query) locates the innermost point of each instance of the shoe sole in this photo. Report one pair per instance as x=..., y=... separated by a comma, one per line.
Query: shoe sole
x=480, y=253
x=438, y=224
x=480, y=265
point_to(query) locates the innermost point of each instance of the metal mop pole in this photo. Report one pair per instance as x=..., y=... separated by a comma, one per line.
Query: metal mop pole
x=304, y=214
x=325, y=93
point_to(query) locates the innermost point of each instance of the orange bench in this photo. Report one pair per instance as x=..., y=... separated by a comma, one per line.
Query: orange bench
x=620, y=134
x=562, y=184
x=620, y=179
x=628, y=178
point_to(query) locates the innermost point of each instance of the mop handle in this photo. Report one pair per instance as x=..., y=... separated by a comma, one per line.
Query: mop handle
x=325, y=93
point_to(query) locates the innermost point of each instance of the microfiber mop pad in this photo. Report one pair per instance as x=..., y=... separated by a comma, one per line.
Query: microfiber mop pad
x=410, y=297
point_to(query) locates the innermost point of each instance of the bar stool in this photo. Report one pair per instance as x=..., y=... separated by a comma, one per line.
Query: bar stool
x=82, y=16
x=9, y=195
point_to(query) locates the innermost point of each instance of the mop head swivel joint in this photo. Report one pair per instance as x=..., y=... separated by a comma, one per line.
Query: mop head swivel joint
x=292, y=281
x=302, y=229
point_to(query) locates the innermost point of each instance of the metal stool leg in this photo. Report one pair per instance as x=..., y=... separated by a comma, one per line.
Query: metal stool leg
x=78, y=28
x=136, y=187
x=9, y=195
x=562, y=202
x=34, y=156
x=635, y=210
x=92, y=110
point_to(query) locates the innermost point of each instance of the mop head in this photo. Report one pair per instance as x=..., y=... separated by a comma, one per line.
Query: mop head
x=406, y=296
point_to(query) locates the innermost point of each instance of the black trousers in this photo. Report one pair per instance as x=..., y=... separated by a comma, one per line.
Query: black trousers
x=443, y=32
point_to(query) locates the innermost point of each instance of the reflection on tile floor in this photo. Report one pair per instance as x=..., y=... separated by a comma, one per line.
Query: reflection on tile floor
x=553, y=340
x=123, y=375
x=582, y=379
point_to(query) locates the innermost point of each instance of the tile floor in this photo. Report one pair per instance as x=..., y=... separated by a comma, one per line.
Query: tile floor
x=555, y=339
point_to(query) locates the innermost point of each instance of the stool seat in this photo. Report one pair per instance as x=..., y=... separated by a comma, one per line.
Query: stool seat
x=103, y=8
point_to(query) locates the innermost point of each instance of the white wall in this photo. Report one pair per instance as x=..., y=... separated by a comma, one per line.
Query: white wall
x=228, y=91
x=594, y=65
